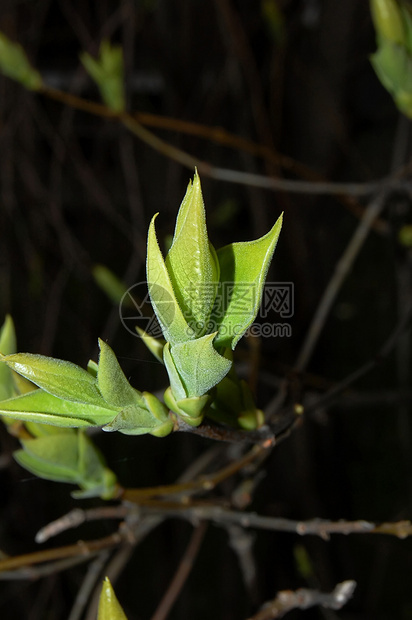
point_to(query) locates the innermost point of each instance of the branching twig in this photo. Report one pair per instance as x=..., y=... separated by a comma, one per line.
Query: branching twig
x=304, y=598
x=76, y=517
x=203, y=483
x=81, y=548
x=313, y=527
x=206, y=169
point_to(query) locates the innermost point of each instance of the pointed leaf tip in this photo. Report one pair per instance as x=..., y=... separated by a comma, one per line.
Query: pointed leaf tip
x=109, y=606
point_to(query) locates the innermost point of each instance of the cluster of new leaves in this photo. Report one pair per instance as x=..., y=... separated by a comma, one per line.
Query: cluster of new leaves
x=51, y=449
x=200, y=328
x=196, y=293
x=393, y=59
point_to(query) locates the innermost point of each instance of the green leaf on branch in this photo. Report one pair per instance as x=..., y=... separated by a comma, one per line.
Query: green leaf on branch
x=191, y=261
x=199, y=365
x=15, y=64
x=40, y=406
x=68, y=457
x=112, y=383
x=147, y=416
x=243, y=267
x=162, y=295
x=393, y=66
x=108, y=72
x=62, y=379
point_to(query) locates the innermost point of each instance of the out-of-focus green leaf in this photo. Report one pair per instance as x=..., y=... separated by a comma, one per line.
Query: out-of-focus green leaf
x=243, y=267
x=191, y=262
x=7, y=346
x=303, y=562
x=405, y=235
x=40, y=406
x=162, y=295
x=59, y=378
x=15, y=64
x=155, y=345
x=42, y=430
x=67, y=457
x=108, y=72
x=109, y=606
x=233, y=404
x=273, y=19
x=114, y=288
x=387, y=19
x=393, y=66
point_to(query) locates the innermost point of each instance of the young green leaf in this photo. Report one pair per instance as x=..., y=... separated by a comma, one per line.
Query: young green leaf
x=7, y=346
x=388, y=21
x=68, y=457
x=148, y=415
x=155, y=345
x=62, y=379
x=393, y=66
x=133, y=420
x=192, y=410
x=162, y=295
x=108, y=73
x=40, y=406
x=114, y=288
x=109, y=606
x=113, y=385
x=54, y=457
x=243, y=267
x=191, y=263
x=15, y=64
x=199, y=365
x=176, y=384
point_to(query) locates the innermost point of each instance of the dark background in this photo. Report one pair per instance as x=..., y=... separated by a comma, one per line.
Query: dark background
x=76, y=190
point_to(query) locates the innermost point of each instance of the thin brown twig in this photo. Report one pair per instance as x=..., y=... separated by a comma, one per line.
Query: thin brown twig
x=201, y=484
x=222, y=174
x=85, y=548
x=76, y=517
x=314, y=527
x=304, y=598
x=183, y=571
x=264, y=435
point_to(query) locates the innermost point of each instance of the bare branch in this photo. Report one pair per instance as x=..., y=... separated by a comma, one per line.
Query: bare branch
x=76, y=517
x=314, y=527
x=303, y=599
